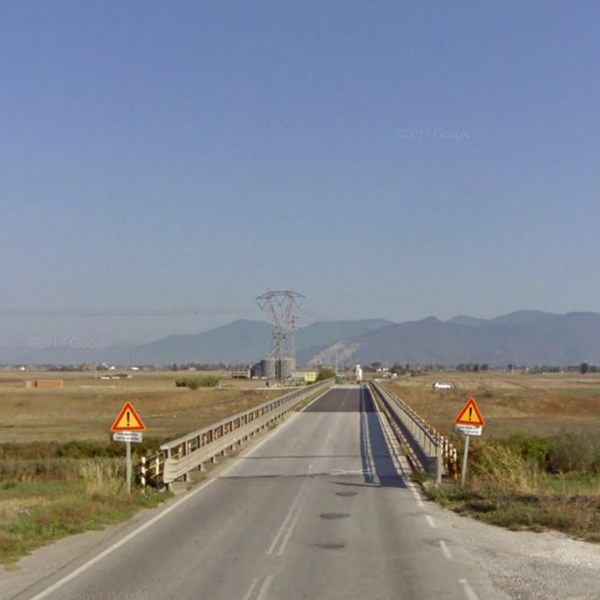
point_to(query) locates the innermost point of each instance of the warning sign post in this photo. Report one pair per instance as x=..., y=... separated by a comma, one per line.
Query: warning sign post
x=127, y=428
x=469, y=422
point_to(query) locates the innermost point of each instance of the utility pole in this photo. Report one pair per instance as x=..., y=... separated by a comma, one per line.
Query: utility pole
x=279, y=306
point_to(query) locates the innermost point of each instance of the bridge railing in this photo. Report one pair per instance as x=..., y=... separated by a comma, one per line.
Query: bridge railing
x=178, y=458
x=428, y=449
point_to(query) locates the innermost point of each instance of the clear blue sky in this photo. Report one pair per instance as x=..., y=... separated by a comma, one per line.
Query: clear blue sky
x=179, y=154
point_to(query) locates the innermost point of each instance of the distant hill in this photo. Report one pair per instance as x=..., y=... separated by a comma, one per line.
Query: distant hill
x=321, y=333
x=465, y=320
x=521, y=317
x=240, y=342
x=525, y=337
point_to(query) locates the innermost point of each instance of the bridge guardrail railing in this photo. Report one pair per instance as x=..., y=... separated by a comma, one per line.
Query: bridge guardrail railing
x=176, y=459
x=429, y=450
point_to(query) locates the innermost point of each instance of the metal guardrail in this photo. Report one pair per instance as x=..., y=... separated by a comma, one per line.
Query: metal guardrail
x=428, y=449
x=178, y=458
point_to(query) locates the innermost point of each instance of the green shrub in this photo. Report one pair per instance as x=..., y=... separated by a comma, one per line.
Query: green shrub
x=193, y=383
x=533, y=449
x=574, y=452
x=325, y=373
x=209, y=381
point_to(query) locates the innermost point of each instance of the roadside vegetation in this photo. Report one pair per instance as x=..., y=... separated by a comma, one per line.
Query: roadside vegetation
x=197, y=382
x=325, y=373
x=528, y=482
x=537, y=464
x=51, y=490
x=59, y=472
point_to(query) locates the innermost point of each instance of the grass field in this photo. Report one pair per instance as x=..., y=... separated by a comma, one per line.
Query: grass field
x=538, y=404
x=537, y=464
x=86, y=407
x=58, y=471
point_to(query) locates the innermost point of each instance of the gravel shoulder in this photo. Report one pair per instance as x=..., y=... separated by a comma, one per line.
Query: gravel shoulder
x=527, y=565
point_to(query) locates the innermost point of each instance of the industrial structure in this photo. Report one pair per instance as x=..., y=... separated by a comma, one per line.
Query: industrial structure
x=281, y=362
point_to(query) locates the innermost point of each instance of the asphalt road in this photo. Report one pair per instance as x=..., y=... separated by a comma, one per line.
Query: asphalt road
x=322, y=509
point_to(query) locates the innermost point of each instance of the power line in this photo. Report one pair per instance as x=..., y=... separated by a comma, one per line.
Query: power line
x=279, y=305
x=118, y=312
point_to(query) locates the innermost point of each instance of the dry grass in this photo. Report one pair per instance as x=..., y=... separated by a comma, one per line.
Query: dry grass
x=539, y=404
x=532, y=421
x=86, y=407
x=59, y=475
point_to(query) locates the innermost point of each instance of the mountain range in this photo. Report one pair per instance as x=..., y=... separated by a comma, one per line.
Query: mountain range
x=522, y=338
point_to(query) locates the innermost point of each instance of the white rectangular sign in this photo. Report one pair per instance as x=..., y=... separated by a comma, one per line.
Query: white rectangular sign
x=127, y=436
x=469, y=429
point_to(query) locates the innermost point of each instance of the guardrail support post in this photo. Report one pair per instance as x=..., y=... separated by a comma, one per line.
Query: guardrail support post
x=440, y=465
x=166, y=456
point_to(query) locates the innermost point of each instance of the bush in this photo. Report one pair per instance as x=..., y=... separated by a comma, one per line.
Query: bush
x=499, y=467
x=533, y=449
x=209, y=381
x=193, y=383
x=578, y=452
x=325, y=373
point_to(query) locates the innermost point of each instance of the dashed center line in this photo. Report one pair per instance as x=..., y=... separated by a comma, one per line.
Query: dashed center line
x=249, y=592
x=289, y=517
x=430, y=521
x=265, y=587
x=445, y=550
x=469, y=593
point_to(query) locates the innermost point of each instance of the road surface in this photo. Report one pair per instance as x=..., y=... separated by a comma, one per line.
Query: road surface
x=322, y=508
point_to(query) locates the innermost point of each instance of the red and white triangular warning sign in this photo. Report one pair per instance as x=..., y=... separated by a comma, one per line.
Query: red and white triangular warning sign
x=470, y=415
x=128, y=420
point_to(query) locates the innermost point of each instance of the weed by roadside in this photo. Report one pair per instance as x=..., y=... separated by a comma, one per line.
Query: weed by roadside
x=44, y=500
x=525, y=482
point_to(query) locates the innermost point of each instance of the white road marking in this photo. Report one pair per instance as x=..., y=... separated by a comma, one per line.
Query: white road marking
x=84, y=567
x=288, y=535
x=445, y=550
x=288, y=518
x=430, y=521
x=249, y=593
x=417, y=496
x=265, y=588
x=469, y=593
x=282, y=426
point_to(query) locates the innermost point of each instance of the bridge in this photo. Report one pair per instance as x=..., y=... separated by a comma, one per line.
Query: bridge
x=323, y=507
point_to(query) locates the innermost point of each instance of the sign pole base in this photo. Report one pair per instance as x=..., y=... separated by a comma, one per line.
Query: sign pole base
x=128, y=451
x=463, y=475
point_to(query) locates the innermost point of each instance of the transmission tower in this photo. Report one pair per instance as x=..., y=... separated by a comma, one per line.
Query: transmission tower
x=279, y=306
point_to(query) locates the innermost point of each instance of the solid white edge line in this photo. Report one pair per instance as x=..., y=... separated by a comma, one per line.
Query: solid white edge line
x=265, y=587
x=417, y=497
x=85, y=566
x=430, y=521
x=445, y=550
x=252, y=586
x=469, y=593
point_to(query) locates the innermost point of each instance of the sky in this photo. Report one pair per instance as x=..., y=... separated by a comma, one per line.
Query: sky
x=384, y=159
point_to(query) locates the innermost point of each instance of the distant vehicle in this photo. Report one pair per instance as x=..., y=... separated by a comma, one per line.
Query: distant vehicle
x=439, y=385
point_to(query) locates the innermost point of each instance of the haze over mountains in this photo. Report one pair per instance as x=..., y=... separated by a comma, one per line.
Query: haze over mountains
x=522, y=338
